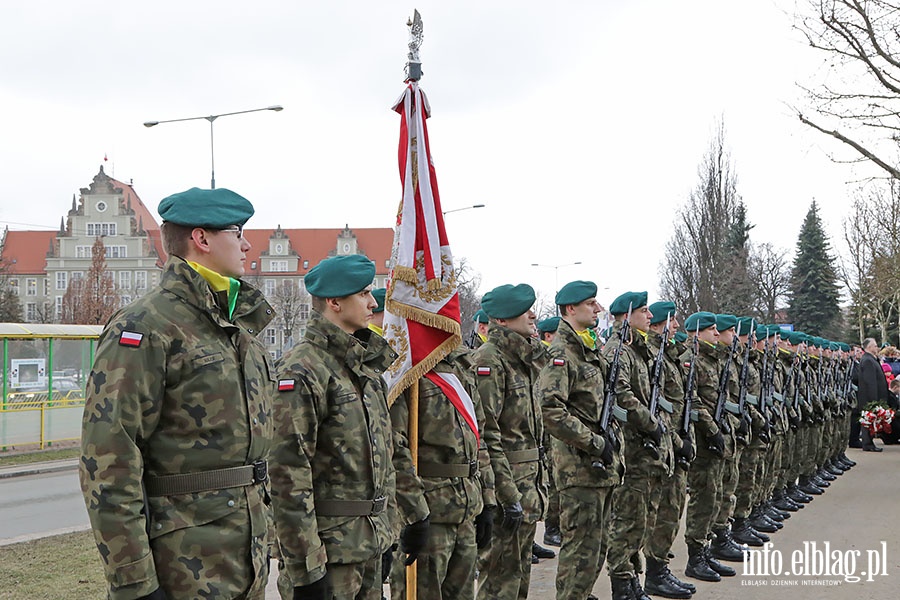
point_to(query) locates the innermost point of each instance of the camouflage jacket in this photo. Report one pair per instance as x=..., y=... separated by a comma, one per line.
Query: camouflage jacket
x=633, y=395
x=187, y=391
x=673, y=382
x=706, y=377
x=571, y=391
x=506, y=369
x=445, y=438
x=333, y=443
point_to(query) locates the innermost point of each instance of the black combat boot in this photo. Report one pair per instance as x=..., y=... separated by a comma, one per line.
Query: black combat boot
x=834, y=467
x=715, y=565
x=553, y=536
x=844, y=458
x=824, y=475
x=724, y=547
x=807, y=487
x=798, y=495
x=698, y=568
x=637, y=590
x=541, y=552
x=773, y=512
x=741, y=533
x=621, y=589
x=759, y=534
x=660, y=581
x=761, y=522
x=782, y=502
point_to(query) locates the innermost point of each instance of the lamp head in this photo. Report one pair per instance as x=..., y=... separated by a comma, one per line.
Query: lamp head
x=276, y=108
x=150, y=123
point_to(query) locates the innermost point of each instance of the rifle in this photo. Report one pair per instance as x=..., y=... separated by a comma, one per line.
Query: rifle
x=743, y=437
x=685, y=431
x=651, y=447
x=724, y=379
x=609, y=398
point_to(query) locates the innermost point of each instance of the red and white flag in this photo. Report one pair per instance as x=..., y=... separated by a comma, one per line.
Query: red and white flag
x=422, y=303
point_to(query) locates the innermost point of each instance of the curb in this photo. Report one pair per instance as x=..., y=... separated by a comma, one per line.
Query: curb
x=38, y=468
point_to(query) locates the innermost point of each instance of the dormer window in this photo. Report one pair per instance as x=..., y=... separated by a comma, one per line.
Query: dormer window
x=279, y=249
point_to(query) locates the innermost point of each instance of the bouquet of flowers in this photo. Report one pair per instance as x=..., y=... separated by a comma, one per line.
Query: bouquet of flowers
x=877, y=419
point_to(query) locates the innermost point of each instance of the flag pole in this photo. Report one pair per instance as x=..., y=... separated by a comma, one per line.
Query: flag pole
x=414, y=73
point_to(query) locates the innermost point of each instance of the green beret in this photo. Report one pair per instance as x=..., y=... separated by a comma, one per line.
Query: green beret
x=340, y=276
x=379, y=298
x=508, y=301
x=634, y=300
x=481, y=317
x=814, y=341
x=745, y=323
x=834, y=345
x=215, y=209
x=845, y=346
x=576, y=292
x=548, y=325
x=724, y=322
x=660, y=310
x=680, y=336
x=796, y=337
x=700, y=321
x=767, y=331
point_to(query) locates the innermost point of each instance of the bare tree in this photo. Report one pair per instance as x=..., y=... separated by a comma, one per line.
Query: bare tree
x=468, y=281
x=858, y=102
x=699, y=268
x=292, y=307
x=770, y=274
x=92, y=299
x=10, y=305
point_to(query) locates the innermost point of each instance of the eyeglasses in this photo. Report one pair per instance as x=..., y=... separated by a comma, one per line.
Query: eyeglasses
x=236, y=229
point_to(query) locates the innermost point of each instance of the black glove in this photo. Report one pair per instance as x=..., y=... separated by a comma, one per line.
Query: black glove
x=743, y=431
x=484, y=527
x=387, y=560
x=766, y=434
x=513, y=515
x=413, y=539
x=317, y=590
x=686, y=450
x=608, y=449
x=656, y=434
x=717, y=444
x=157, y=594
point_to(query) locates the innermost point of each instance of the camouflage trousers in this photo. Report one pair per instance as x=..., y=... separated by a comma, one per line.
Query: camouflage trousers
x=773, y=472
x=551, y=519
x=583, y=515
x=354, y=581
x=705, y=481
x=730, y=476
x=632, y=518
x=747, y=471
x=809, y=449
x=504, y=566
x=445, y=569
x=668, y=517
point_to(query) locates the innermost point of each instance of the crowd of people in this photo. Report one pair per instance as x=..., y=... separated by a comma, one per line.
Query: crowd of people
x=203, y=460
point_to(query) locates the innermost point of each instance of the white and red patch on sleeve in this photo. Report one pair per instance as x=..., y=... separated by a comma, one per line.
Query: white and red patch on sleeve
x=483, y=371
x=285, y=385
x=130, y=338
x=559, y=362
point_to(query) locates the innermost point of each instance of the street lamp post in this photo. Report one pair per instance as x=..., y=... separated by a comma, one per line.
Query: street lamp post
x=211, y=119
x=453, y=210
x=556, y=269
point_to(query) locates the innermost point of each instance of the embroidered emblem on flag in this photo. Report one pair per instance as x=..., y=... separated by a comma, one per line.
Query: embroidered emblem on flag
x=559, y=362
x=285, y=385
x=130, y=338
x=483, y=370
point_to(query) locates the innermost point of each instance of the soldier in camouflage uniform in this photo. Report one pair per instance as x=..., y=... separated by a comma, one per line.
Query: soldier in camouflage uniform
x=332, y=477
x=648, y=453
x=707, y=470
x=178, y=419
x=480, y=330
x=586, y=460
x=449, y=485
x=506, y=369
x=552, y=535
x=660, y=581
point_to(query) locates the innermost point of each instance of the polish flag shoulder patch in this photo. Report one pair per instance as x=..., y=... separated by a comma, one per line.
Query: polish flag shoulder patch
x=285, y=385
x=130, y=338
x=559, y=362
x=483, y=370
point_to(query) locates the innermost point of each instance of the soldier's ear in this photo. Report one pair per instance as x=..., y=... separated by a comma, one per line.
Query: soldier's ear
x=199, y=240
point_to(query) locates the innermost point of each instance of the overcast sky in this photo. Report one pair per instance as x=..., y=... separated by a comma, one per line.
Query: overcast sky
x=579, y=124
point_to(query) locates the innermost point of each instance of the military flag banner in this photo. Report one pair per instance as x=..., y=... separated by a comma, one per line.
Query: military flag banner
x=422, y=302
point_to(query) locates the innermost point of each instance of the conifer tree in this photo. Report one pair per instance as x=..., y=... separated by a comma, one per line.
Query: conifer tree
x=814, y=306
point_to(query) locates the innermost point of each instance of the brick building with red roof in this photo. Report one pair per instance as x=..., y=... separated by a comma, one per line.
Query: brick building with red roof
x=40, y=264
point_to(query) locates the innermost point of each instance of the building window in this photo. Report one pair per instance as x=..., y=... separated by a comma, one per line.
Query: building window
x=31, y=311
x=140, y=280
x=124, y=280
x=252, y=265
x=46, y=286
x=305, y=264
x=126, y=300
x=82, y=251
x=76, y=275
x=279, y=266
x=270, y=288
x=62, y=280
x=304, y=311
x=59, y=307
x=270, y=336
x=14, y=285
x=101, y=229
x=31, y=287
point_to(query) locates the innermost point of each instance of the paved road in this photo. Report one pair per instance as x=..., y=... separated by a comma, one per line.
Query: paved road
x=41, y=503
